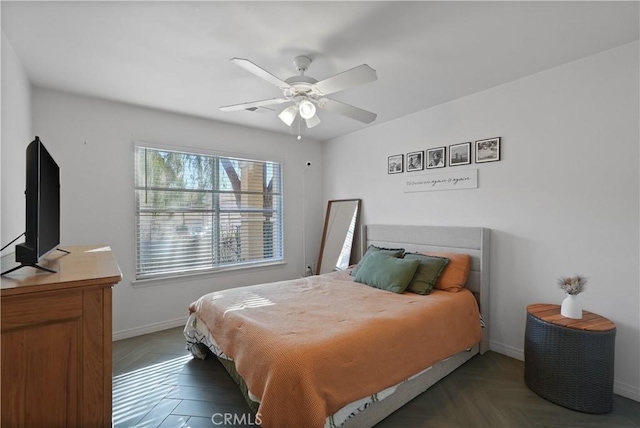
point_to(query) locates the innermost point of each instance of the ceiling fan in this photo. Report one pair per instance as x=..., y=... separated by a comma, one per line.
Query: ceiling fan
x=306, y=94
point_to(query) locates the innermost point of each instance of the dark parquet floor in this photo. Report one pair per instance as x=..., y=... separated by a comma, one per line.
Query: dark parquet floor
x=156, y=383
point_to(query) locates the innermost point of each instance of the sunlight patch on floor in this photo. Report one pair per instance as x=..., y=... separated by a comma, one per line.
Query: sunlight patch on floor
x=133, y=389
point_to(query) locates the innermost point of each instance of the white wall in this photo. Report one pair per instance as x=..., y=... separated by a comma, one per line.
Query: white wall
x=16, y=135
x=564, y=198
x=92, y=142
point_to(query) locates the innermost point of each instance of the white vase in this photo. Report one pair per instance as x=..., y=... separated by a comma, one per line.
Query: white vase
x=571, y=307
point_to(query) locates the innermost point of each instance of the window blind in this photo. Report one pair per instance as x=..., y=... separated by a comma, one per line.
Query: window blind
x=197, y=212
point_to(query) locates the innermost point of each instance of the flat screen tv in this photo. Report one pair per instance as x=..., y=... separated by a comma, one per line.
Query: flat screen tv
x=42, y=195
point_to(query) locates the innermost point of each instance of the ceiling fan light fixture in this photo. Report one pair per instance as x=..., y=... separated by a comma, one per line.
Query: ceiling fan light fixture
x=307, y=109
x=313, y=121
x=288, y=115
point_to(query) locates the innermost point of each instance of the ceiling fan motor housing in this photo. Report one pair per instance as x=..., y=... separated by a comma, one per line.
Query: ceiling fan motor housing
x=300, y=86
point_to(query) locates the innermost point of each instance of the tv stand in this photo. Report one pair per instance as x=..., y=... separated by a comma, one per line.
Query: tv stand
x=35, y=265
x=29, y=265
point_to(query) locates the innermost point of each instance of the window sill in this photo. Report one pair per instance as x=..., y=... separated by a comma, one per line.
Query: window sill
x=149, y=282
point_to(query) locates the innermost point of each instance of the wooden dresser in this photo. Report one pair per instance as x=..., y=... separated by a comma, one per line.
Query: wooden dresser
x=56, y=340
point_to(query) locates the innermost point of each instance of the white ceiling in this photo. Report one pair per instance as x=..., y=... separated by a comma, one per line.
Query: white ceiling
x=175, y=56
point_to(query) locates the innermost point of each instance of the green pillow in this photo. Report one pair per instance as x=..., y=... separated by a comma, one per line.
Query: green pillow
x=428, y=272
x=395, y=252
x=386, y=272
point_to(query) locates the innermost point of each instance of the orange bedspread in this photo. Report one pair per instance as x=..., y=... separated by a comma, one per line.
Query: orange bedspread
x=308, y=347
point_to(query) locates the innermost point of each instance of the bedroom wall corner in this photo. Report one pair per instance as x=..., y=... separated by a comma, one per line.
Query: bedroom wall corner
x=15, y=123
x=564, y=198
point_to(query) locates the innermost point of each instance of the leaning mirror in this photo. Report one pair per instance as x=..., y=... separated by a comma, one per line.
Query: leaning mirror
x=340, y=224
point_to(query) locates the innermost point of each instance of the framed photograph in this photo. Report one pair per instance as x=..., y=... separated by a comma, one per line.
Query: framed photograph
x=460, y=154
x=415, y=161
x=488, y=150
x=396, y=164
x=436, y=157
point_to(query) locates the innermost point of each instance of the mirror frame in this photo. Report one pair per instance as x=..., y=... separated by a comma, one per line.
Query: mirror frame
x=330, y=204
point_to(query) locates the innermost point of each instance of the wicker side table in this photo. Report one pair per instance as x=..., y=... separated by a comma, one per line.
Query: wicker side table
x=570, y=362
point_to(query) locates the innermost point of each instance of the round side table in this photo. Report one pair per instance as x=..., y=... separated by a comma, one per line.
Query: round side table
x=568, y=361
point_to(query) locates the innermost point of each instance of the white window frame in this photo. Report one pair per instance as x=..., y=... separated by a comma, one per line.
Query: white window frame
x=217, y=264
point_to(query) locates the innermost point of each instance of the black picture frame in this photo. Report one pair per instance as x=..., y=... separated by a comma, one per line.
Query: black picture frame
x=415, y=161
x=437, y=157
x=395, y=164
x=460, y=154
x=488, y=150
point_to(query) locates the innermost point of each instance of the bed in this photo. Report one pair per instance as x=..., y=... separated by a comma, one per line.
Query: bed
x=303, y=362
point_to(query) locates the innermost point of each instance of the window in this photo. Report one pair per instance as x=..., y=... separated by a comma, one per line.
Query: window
x=198, y=212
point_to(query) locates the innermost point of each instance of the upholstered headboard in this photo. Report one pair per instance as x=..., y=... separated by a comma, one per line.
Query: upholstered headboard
x=475, y=241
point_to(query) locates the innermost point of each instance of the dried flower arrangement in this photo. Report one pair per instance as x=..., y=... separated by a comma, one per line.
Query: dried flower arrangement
x=572, y=284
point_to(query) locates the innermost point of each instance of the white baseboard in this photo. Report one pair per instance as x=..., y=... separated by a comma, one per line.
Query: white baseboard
x=149, y=328
x=509, y=351
x=628, y=391
x=619, y=388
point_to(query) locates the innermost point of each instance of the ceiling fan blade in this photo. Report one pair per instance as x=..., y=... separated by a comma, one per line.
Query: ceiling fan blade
x=260, y=72
x=347, y=110
x=356, y=76
x=251, y=105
